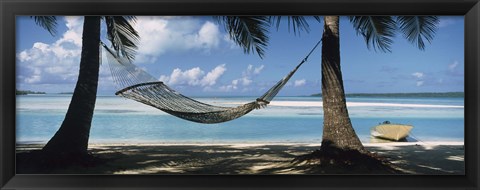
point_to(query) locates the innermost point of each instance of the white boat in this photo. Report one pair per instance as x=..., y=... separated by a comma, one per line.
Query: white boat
x=390, y=131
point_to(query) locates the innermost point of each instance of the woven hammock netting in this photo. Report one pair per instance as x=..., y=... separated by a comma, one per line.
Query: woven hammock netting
x=136, y=84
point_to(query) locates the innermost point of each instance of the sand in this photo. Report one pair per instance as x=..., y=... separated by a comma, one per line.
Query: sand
x=411, y=158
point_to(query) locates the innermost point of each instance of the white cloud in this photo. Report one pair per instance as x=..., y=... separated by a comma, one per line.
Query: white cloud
x=418, y=75
x=455, y=69
x=54, y=67
x=208, y=36
x=245, y=81
x=211, y=78
x=190, y=77
x=164, y=78
x=55, y=63
x=229, y=87
x=301, y=82
x=258, y=70
x=249, y=73
x=160, y=35
x=194, y=76
x=452, y=66
x=74, y=32
x=252, y=70
x=420, y=83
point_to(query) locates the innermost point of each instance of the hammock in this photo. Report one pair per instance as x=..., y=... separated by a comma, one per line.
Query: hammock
x=138, y=85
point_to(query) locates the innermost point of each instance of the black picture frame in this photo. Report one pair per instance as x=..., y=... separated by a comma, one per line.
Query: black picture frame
x=11, y=8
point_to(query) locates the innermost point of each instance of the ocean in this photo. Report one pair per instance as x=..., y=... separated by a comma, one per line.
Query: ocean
x=286, y=120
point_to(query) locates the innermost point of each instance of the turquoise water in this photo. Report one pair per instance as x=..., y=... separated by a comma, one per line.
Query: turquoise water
x=118, y=120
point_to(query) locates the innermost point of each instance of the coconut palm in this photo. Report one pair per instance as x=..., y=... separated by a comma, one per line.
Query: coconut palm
x=70, y=142
x=340, y=144
x=378, y=32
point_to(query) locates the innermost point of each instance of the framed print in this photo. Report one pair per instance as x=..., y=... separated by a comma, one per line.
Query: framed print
x=239, y=94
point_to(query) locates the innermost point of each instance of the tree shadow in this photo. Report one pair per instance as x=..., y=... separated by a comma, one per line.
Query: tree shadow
x=258, y=159
x=37, y=162
x=333, y=160
x=178, y=159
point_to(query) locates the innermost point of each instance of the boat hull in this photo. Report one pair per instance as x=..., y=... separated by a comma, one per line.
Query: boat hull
x=395, y=132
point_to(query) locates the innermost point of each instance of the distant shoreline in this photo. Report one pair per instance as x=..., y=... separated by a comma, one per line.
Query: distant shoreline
x=405, y=95
x=27, y=92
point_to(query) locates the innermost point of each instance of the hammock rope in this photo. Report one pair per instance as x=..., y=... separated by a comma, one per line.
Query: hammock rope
x=136, y=84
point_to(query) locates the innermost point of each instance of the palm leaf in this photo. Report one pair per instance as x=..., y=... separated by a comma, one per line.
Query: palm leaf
x=417, y=28
x=378, y=31
x=123, y=36
x=248, y=32
x=49, y=23
x=298, y=23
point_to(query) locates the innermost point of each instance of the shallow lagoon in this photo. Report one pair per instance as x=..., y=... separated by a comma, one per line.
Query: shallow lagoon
x=287, y=120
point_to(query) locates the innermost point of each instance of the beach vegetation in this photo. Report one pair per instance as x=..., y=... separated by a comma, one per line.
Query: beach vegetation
x=26, y=92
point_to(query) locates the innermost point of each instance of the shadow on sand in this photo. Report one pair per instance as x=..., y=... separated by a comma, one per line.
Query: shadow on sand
x=240, y=159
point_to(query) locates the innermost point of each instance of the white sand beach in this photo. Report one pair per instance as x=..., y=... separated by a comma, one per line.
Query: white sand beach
x=441, y=158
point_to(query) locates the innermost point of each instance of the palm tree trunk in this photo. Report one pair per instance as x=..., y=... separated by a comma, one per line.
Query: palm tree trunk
x=71, y=140
x=337, y=127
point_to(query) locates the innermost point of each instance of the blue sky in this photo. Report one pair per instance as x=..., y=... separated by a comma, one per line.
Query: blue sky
x=195, y=56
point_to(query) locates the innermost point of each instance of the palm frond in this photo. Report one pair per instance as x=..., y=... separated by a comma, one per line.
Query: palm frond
x=49, y=23
x=298, y=23
x=378, y=31
x=318, y=18
x=249, y=32
x=417, y=28
x=123, y=36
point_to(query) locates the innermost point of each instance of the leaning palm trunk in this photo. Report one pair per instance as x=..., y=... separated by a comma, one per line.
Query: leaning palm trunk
x=337, y=127
x=71, y=140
